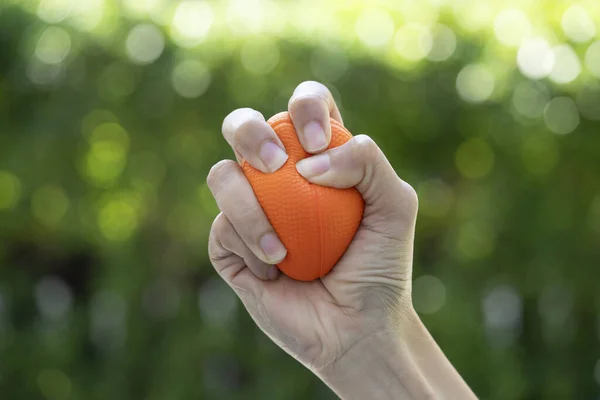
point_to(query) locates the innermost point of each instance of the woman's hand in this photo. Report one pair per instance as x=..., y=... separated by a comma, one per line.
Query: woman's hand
x=356, y=327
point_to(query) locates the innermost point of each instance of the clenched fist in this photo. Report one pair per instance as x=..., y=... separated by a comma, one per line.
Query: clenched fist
x=355, y=328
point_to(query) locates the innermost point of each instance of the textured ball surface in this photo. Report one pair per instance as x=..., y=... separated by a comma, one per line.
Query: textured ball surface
x=315, y=223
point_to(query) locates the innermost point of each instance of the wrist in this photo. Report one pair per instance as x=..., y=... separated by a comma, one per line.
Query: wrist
x=381, y=365
x=403, y=361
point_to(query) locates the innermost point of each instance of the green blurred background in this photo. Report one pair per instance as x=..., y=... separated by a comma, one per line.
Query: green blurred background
x=110, y=117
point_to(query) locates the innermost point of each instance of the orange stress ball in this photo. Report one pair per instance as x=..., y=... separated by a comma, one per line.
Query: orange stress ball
x=315, y=223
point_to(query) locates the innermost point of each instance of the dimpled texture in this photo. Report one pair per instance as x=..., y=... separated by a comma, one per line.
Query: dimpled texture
x=315, y=223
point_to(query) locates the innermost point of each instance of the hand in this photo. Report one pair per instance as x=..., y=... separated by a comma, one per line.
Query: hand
x=362, y=309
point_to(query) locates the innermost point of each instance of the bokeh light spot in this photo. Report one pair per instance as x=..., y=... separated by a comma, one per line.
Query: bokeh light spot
x=539, y=154
x=443, y=44
x=567, y=66
x=110, y=132
x=53, y=46
x=277, y=16
x=144, y=44
x=54, y=11
x=512, y=27
x=260, y=56
x=87, y=14
x=10, y=190
x=44, y=74
x=561, y=115
x=502, y=308
x=93, y=119
x=246, y=16
x=577, y=24
x=535, y=58
x=413, y=41
x=474, y=15
x=49, y=204
x=140, y=8
x=436, y=198
x=592, y=59
x=105, y=160
x=53, y=297
x=475, y=83
x=374, y=27
x=190, y=79
x=118, y=217
x=191, y=22
x=474, y=158
x=429, y=294
x=530, y=98
x=54, y=384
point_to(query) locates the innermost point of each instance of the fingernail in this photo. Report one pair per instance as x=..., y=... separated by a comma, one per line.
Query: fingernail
x=273, y=156
x=314, y=136
x=273, y=273
x=314, y=166
x=273, y=248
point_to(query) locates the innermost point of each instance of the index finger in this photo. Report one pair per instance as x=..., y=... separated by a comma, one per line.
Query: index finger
x=253, y=140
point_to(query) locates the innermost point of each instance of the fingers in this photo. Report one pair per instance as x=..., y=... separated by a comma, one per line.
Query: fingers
x=310, y=108
x=237, y=201
x=254, y=140
x=230, y=255
x=361, y=163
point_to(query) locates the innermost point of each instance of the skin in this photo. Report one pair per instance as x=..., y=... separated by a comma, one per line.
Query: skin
x=355, y=328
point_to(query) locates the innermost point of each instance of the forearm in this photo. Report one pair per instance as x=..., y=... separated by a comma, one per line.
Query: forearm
x=402, y=363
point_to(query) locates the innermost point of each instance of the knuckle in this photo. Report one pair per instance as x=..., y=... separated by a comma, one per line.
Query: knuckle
x=365, y=150
x=218, y=172
x=220, y=226
x=219, y=230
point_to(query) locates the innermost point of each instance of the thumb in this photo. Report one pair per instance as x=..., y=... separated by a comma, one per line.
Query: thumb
x=360, y=163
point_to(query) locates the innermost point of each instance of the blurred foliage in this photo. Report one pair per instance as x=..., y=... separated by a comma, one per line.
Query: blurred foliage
x=110, y=116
